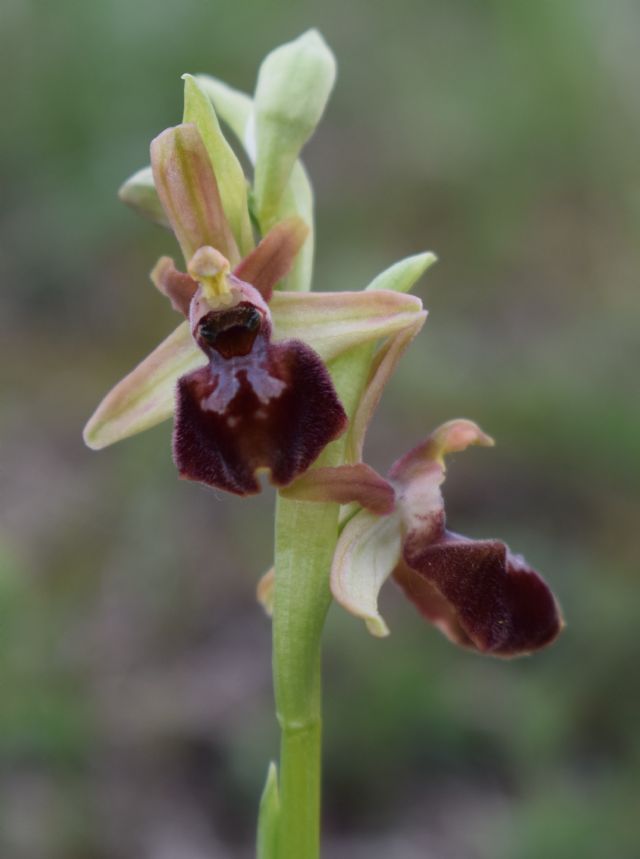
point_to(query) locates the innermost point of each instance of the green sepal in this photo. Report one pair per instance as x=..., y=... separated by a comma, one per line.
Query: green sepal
x=399, y=277
x=232, y=183
x=235, y=108
x=294, y=84
x=331, y=323
x=232, y=106
x=267, y=837
x=139, y=193
x=403, y=275
x=188, y=189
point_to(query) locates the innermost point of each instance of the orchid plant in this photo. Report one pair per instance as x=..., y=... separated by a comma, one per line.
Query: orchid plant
x=264, y=376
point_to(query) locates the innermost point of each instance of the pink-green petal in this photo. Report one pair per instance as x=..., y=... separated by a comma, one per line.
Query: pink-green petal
x=382, y=368
x=273, y=258
x=344, y=484
x=187, y=187
x=146, y=396
x=332, y=322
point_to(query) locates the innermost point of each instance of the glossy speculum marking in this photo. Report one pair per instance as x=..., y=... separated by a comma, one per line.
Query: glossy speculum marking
x=232, y=332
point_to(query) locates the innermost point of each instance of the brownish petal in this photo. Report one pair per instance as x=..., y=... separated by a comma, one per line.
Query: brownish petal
x=344, y=484
x=176, y=285
x=480, y=594
x=260, y=406
x=273, y=258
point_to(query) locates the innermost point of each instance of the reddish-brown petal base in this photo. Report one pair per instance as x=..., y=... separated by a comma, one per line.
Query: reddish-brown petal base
x=277, y=412
x=479, y=594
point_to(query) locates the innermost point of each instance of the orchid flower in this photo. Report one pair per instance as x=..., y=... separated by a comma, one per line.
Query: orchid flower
x=245, y=374
x=477, y=592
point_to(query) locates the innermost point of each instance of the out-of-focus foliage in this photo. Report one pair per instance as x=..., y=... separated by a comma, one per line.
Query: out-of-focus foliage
x=135, y=711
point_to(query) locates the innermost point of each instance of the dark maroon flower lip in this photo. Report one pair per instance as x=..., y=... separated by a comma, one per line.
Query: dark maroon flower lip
x=477, y=592
x=256, y=406
x=272, y=408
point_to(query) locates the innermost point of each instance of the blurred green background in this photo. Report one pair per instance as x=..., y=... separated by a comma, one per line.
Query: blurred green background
x=135, y=710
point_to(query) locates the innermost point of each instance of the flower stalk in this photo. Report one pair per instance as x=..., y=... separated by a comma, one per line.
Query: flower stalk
x=306, y=534
x=302, y=599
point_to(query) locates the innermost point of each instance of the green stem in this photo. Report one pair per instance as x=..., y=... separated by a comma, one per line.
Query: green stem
x=306, y=535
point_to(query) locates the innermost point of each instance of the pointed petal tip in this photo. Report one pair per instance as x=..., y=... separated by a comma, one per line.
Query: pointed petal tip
x=453, y=436
x=404, y=274
x=144, y=397
x=314, y=39
x=377, y=627
x=426, y=259
x=457, y=435
x=91, y=435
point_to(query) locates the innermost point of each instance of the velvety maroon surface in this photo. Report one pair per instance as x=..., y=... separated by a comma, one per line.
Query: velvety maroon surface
x=256, y=405
x=479, y=594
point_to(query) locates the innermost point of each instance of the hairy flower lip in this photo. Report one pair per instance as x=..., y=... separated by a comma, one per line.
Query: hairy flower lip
x=256, y=405
x=497, y=603
x=263, y=412
x=145, y=397
x=477, y=592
